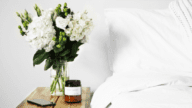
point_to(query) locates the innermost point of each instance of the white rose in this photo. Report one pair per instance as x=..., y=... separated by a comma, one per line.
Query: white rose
x=61, y=22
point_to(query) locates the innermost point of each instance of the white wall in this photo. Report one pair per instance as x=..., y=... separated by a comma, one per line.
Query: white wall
x=18, y=77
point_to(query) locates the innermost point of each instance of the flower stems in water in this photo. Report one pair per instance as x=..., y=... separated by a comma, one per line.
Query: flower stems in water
x=59, y=76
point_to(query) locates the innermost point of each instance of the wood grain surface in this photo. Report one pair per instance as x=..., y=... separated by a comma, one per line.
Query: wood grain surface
x=44, y=93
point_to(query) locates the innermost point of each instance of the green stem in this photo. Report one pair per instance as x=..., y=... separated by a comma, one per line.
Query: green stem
x=56, y=79
x=58, y=84
x=54, y=87
x=63, y=84
x=59, y=75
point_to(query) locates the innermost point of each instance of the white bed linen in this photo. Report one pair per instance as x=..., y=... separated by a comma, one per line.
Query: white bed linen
x=147, y=39
x=149, y=49
x=182, y=12
x=121, y=86
x=175, y=96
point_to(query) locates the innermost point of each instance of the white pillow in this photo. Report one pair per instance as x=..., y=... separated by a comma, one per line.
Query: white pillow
x=147, y=39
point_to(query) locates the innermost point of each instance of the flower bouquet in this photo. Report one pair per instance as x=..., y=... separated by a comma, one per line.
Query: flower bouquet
x=56, y=35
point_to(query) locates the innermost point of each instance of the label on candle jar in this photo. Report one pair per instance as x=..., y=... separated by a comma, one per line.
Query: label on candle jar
x=72, y=91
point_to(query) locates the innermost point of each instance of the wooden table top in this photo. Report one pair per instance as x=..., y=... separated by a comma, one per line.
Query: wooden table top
x=44, y=93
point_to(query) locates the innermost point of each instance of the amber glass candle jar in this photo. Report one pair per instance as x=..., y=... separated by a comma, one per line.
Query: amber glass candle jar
x=73, y=91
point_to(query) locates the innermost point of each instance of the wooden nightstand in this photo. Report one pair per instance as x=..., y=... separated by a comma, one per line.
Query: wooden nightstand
x=44, y=93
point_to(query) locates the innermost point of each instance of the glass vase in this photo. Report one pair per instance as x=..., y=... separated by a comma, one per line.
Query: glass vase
x=59, y=75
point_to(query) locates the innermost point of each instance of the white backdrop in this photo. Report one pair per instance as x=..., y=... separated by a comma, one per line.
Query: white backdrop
x=18, y=76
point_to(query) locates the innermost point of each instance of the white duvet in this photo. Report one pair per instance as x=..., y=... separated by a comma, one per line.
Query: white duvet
x=175, y=96
x=144, y=90
x=152, y=60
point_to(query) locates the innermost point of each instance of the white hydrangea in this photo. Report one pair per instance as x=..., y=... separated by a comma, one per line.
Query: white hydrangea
x=41, y=32
x=79, y=27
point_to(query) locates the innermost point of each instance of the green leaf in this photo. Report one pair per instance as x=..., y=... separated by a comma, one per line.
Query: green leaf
x=54, y=66
x=75, y=48
x=65, y=52
x=57, y=50
x=66, y=57
x=39, y=52
x=39, y=57
x=72, y=58
x=48, y=63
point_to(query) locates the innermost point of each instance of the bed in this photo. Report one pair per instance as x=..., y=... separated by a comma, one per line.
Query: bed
x=150, y=54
